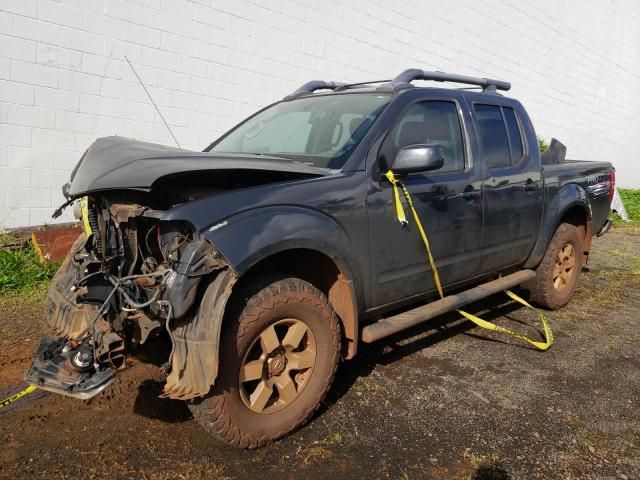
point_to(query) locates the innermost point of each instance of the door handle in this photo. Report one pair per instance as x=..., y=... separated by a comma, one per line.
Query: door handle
x=530, y=186
x=469, y=194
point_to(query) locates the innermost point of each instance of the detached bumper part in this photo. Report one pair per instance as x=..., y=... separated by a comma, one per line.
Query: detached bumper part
x=606, y=227
x=50, y=371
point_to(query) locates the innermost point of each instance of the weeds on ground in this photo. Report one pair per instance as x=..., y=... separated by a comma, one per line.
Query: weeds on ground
x=486, y=467
x=321, y=450
x=20, y=267
x=404, y=475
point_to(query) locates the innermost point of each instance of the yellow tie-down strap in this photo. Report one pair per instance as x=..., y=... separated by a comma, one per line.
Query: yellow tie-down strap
x=84, y=208
x=397, y=183
x=17, y=396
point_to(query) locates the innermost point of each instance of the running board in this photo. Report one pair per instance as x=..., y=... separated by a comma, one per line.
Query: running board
x=397, y=323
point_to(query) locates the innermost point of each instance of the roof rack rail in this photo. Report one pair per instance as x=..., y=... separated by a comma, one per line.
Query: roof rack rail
x=347, y=86
x=488, y=85
x=312, y=86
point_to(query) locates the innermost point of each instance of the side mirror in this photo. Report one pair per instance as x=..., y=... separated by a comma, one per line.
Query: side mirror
x=418, y=158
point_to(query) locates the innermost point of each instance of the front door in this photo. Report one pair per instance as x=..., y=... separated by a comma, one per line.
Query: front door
x=448, y=201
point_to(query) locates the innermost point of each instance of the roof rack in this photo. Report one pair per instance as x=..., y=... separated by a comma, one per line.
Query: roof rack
x=405, y=78
x=403, y=81
x=312, y=86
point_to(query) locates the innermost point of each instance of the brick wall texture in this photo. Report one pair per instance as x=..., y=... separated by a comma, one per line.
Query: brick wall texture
x=209, y=63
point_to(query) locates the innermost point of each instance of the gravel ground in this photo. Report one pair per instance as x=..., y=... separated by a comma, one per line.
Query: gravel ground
x=445, y=401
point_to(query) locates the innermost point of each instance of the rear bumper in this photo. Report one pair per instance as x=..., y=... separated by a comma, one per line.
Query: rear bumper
x=605, y=228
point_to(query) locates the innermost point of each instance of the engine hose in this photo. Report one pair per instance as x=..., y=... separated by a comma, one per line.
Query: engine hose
x=117, y=287
x=93, y=325
x=167, y=365
x=117, y=284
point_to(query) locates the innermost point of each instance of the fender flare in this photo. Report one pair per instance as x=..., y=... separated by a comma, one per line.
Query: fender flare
x=566, y=198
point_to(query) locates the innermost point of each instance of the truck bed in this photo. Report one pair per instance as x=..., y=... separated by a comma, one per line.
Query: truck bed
x=592, y=176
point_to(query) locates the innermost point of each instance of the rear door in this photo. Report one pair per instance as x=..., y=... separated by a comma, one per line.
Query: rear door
x=512, y=188
x=448, y=202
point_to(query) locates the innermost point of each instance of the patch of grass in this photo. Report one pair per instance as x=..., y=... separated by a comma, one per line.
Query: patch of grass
x=631, y=200
x=20, y=267
x=486, y=467
x=592, y=442
x=542, y=145
x=476, y=460
x=367, y=385
x=192, y=471
x=606, y=292
x=321, y=450
x=21, y=314
x=573, y=420
x=632, y=261
x=336, y=438
x=314, y=453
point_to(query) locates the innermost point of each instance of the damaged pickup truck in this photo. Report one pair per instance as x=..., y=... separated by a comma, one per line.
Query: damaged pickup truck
x=268, y=257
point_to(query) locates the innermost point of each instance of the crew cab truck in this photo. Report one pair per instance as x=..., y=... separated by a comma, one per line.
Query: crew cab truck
x=272, y=254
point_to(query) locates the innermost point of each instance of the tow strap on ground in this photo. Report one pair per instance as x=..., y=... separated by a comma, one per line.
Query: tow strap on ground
x=397, y=184
x=7, y=401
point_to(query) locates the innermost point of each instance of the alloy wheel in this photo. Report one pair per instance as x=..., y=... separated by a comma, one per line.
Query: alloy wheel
x=277, y=366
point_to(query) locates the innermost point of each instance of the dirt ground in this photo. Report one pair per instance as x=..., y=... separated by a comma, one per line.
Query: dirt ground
x=445, y=401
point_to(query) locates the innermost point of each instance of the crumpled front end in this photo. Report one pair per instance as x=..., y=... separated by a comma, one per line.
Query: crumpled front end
x=127, y=278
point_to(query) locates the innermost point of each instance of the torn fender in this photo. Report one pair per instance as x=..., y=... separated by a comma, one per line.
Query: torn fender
x=196, y=337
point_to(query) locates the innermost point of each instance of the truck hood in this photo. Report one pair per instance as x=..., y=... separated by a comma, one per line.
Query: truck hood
x=112, y=163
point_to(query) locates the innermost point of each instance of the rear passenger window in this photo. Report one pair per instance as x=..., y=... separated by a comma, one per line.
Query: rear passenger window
x=493, y=136
x=515, y=137
x=432, y=121
x=500, y=135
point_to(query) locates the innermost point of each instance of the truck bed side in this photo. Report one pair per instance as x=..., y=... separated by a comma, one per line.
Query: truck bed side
x=592, y=176
x=573, y=184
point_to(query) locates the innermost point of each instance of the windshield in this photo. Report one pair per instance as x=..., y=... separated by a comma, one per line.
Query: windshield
x=321, y=131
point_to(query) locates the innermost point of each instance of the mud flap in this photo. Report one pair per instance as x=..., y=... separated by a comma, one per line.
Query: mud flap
x=50, y=371
x=196, y=337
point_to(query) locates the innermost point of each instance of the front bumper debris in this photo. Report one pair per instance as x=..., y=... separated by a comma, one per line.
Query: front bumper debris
x=605, y=228
x=51, y=370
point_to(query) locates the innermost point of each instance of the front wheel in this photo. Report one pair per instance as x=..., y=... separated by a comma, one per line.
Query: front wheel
x=557, y=274
x=278, y=357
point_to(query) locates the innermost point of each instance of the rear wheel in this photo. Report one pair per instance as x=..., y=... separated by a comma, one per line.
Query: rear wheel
x=557, y=274
x=278, y=358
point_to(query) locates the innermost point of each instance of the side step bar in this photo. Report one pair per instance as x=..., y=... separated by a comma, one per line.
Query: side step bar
x=397, y=323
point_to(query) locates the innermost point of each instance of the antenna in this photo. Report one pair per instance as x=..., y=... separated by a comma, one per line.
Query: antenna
x=154, y=103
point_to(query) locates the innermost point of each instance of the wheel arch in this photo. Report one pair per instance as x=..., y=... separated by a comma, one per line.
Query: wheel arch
x=569, y=205
x=330, y=276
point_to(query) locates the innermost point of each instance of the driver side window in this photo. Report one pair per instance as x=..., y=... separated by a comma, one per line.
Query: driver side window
x=431, y=121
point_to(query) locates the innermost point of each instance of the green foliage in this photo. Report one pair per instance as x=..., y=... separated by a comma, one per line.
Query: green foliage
x=542, y=145
x=631, y=199
x=21, y=269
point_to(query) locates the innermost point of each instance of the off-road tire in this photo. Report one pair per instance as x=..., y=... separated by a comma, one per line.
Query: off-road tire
x=223, y=413
x=542, y=290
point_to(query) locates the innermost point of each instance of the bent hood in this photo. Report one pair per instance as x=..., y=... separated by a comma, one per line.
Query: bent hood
x=123, y=163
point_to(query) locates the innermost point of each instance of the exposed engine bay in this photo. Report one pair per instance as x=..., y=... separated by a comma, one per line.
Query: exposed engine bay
x=138, y=271
x=129, y=276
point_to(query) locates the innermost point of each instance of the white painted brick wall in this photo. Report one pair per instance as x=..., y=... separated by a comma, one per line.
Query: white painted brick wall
x=209, y=63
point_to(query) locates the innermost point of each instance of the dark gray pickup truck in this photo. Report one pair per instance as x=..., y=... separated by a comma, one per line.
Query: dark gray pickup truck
x=265, y=259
